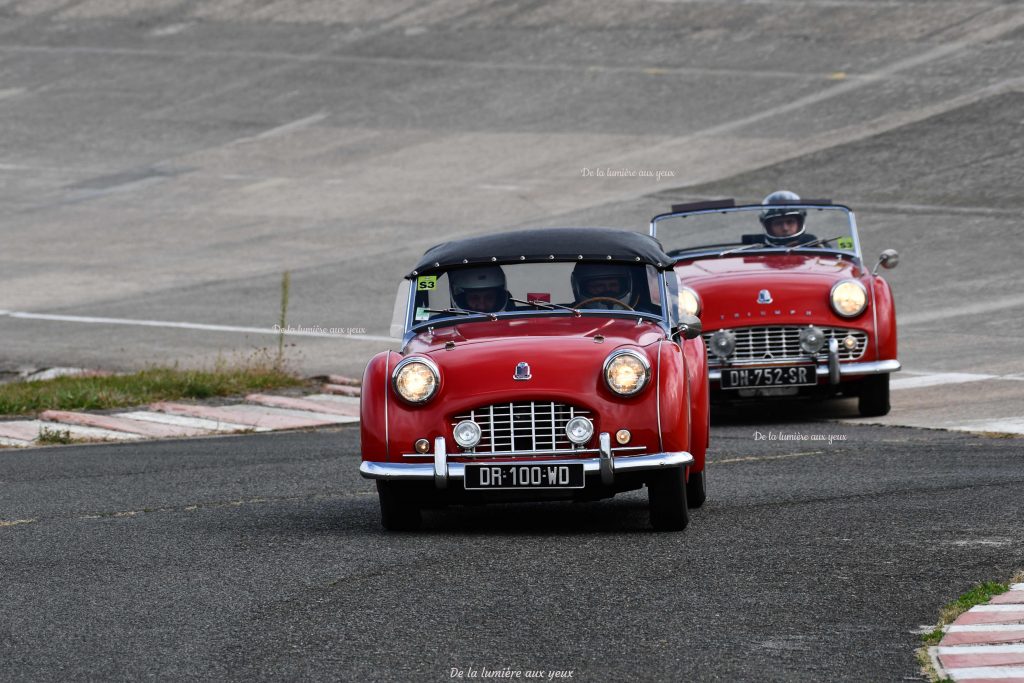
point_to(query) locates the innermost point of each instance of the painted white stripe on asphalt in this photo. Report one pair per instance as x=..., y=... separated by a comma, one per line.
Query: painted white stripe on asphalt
x=974, y=628
x=1009, y=425
x=80, y=432
x=1009, y=648
x=997, y=608
x=285, y=129
x=195, y=422
x=187, y=326
x=987, y=672
x=334, y=398
x=936, y=379
x=293, y=412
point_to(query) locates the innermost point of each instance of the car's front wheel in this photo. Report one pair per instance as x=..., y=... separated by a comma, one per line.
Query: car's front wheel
x=666, y=495
x=695, y=493
x=874, y=396
x=397, y=511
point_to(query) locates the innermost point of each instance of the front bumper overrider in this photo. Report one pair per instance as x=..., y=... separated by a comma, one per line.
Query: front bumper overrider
x=441, y=471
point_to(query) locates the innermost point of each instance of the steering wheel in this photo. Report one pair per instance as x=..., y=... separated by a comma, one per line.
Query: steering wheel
x=609, y=299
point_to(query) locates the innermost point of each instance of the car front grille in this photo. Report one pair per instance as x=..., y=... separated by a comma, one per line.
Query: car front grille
x=522, y=426
x=782, y=343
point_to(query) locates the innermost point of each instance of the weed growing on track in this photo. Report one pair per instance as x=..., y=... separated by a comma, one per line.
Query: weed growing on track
x=54, y=436
x=146, y=386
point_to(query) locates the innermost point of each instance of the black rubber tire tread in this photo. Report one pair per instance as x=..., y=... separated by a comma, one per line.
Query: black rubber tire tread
x=873, y=400
x=666, y=495
x=695, y=492
x=397, y=512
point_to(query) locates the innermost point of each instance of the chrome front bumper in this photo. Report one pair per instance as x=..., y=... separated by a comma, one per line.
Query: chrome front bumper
x=834, y=371
x=440, y=471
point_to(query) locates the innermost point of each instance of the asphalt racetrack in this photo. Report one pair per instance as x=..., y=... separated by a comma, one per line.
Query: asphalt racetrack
x=164, y=162
x=261, y=557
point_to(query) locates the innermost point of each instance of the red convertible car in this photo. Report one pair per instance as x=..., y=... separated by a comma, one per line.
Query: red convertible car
x=538, y=365
x=788, y=305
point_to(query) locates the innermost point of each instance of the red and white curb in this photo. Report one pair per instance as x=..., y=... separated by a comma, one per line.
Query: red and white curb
x=985, y=643
x=170, y=420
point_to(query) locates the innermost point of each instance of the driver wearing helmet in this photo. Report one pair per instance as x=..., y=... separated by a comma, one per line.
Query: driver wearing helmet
x=479, y=289
x=783, y=225
x=602, y=281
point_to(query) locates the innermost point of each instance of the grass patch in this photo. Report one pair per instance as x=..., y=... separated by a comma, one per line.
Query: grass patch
x=53, y=436
x=146, y=386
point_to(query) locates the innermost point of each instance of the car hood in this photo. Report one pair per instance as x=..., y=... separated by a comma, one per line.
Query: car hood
x=768, y=288
x=565, y=354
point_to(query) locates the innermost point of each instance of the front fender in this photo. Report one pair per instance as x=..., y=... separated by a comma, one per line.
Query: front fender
x=373, y=406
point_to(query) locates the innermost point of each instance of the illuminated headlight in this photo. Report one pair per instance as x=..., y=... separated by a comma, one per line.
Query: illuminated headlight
x=467, y=434
x=848, y=298
x=579, y=430
x=626, y=372
x=723, y=343
x=811, y=339
x=689, y=302
x=415, y=379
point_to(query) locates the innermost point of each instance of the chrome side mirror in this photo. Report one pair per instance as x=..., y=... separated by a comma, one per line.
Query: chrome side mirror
x=888, y=259
x=689, y=327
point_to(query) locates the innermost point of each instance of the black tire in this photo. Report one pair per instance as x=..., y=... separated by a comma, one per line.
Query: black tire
x=397, y=511
x=874, y=396
x=666, y=495
x=695, y=493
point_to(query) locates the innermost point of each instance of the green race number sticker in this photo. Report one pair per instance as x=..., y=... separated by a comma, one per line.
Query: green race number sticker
x=426, y=283
x=845, y=243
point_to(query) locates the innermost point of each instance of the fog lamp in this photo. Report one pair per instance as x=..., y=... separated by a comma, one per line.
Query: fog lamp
x=467, y=434
x=811, y=339
x=422, y=446
x=579, y=430
x=723, y=343
x=850, y=342
x=623, y=436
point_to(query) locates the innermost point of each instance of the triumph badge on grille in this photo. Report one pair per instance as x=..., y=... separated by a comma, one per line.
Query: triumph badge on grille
x=764, y=297
x=522, y=372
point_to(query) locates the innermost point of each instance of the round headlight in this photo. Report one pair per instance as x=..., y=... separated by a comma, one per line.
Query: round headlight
x=415, y=379
x=723, y=343
x=626, y=372
x=848, y=298
x=689, y=302
x=811, y=339
x=467, y=434
x=579, y=430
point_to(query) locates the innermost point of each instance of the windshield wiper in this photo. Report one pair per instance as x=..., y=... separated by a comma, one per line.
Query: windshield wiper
x=744, y=248
x=460, y=311
x=814, y=243
x=545, y=304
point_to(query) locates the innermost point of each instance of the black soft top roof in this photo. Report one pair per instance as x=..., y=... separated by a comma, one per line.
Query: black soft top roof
x=550, y=244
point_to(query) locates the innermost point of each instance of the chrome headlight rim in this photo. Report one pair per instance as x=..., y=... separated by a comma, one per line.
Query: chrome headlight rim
x=633, y=354
x=696, y=298
x=832, y=298
x=426, y=362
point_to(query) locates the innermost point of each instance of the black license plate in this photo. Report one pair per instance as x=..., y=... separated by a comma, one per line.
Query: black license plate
x=785, y=376
x=525, y=476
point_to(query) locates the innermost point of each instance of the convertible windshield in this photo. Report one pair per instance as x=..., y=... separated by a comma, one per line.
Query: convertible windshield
x=538, y=288
x=722, y=233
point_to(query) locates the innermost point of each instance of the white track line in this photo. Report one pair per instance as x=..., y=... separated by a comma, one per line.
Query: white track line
x=187, y=326
x=1010, y=648
x=1007, y=425
x=975, y=628
x=931, y=380
x=985, y=672
x=195, y=422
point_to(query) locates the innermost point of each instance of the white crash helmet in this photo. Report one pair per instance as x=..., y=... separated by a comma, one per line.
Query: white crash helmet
x=780, y=198
x=477, y=279
x=583, y=273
